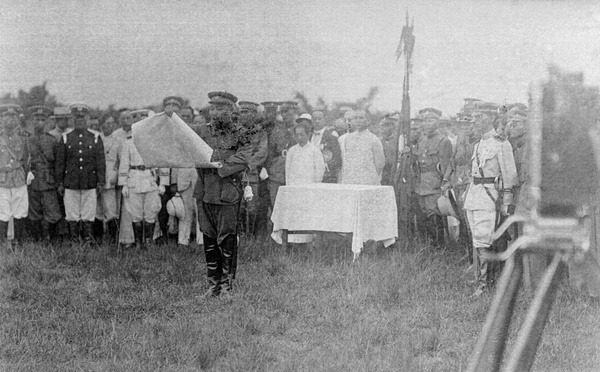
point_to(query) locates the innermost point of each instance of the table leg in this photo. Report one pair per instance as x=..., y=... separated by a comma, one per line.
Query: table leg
x=284, y=239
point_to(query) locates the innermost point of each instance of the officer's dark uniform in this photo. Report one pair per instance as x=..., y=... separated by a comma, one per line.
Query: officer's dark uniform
x=80, y=170
x=218, y=193
x=44, y=208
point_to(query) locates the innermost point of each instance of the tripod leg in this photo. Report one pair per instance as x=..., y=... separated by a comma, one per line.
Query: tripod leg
x=530, y=334
x=492, y=341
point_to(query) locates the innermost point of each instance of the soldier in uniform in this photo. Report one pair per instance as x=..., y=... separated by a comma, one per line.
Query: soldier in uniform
x=259, y=141
x=434, y=152
x=280, y=141
x=390, y=149
x=62, y=116
x=182, y=180
x=80, y=173
x=118, y=138
x=13, y=170
x=219, y=190
x=110, y=205
x=490, y=192
x=141, y=193
x=326, y=139
x=171, y=104
x=44, y=209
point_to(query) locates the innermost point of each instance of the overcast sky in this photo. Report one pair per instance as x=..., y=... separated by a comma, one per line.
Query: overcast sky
x=134, y=53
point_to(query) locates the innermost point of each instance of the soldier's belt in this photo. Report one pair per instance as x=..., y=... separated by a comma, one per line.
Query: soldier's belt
x=138, y=167
x=483, y=180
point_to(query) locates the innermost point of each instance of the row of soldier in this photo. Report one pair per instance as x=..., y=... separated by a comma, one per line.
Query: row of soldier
x=80, y=174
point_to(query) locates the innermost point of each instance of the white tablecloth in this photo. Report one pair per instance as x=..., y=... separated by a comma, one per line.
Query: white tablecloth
x=368, y=212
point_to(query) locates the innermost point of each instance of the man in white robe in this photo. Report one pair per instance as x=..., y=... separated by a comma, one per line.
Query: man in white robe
x=362, y=154
x=304, y=164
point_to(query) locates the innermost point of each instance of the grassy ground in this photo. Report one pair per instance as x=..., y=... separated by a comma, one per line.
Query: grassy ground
x=404, y=309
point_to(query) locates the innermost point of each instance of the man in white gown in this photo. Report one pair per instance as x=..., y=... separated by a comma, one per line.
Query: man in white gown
x=362, y=154
x=304, y=164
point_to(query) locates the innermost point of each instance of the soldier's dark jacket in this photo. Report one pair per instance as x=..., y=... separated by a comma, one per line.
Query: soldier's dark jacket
x=13, y=160
x=231, y=147
x=281, y=140
x=433, y=156
x=80, y=160
x=42, y=151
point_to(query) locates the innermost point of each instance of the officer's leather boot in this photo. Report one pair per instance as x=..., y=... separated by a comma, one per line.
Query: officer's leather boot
x=228, y=247
x=87, y=231
x=482, y=275
x=20, y=224
x=213, y=266
x=73, y=231
x=53, y=235
x=3, y=232
x=112, y=226
x=149, y=233
x=138, y=233
x=34, y=229
x=98, y=231
x=440, y=228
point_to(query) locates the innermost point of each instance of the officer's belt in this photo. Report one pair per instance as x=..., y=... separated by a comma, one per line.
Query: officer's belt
x=483, y=180
x=138, y=167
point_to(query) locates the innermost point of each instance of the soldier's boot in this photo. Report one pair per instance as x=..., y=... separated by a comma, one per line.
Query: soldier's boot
x=112, y=227
x=483, y=274
x=138, y=234
x=148, y=233
x=53, y=235
x=33, y=229
x=430, y=230
x=213, y=266
x=87, y=232
x=440, y=229
x=20, y=225
x=228, y=256
x=73, y=231
x=98, y=231
x=45, y=231
x=3, y=232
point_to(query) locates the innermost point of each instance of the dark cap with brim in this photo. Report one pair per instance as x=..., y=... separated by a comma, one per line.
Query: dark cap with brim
x=11, y=108
x=79, y=109
x=173, y=100
x=222, y=98
x=39, y=110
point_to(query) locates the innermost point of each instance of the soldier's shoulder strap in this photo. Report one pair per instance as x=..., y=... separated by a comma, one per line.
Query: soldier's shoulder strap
x=96, y=135
x=64, y=136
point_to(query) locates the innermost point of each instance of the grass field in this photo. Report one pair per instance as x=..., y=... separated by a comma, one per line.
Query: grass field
x=403, y=309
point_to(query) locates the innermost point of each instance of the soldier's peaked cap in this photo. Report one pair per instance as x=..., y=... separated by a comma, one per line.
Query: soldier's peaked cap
x=270, y=104
x=247, y=105
x=39, y=110
x=61, y=112
x=486, y=107
x=173, y=100
x=304, y=117
x=289, y=104
x=12, y=108
x=79, y=109
x=430, y=112
x=226, y=98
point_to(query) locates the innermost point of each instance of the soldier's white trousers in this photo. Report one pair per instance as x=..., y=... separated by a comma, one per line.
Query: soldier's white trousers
x=482, y=224
x=185, y=225
x=143, y=206
x=80, y=205
x=13, y=202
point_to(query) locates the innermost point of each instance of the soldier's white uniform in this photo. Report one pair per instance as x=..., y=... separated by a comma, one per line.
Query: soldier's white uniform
x=492, y=164
x=143, y=202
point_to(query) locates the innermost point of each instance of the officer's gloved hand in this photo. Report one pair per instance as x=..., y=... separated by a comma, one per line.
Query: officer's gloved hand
x=264, y=174
x=248, y=194
x=169, y=110
x=161, y=189
x=61, y=190
x=30, y=177
x=125, y=191
x=504, y=210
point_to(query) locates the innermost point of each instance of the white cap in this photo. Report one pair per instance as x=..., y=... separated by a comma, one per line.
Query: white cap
x=304, y=117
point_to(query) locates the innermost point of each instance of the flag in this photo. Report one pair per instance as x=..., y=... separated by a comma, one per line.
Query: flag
x=168, y=142
x=407, y=41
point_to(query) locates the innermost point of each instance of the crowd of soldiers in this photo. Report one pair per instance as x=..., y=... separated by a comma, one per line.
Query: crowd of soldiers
x=81, y=179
